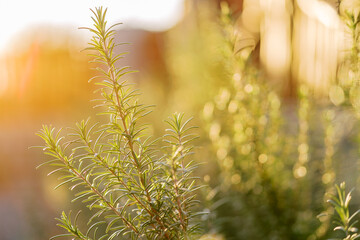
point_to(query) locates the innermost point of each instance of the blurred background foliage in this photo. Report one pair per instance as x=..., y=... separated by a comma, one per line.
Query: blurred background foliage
x=274, y=88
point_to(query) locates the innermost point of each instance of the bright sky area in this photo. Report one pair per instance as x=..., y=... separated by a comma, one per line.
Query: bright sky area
x=20, y=15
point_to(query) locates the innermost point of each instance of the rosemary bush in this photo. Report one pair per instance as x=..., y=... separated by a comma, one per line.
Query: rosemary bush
x=135, y=186
x=342, y=218
x=268, y=187
x=348, y=88
x=276, y=159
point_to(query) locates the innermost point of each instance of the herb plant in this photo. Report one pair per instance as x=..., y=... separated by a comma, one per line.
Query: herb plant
x=264, y=159
x=342, y=218
x=275, y=158
x=135, y=186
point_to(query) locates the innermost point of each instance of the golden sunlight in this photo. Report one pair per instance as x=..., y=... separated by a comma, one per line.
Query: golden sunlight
x=156, y=15
x=4, y=77
x=317, y=43
x=304, y=39
x=34, y=20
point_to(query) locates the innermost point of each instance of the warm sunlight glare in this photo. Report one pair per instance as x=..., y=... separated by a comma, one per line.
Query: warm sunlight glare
x=20, y=15
x=4, y=81
x=275, y=51
x=317, y=40
x=22, y=21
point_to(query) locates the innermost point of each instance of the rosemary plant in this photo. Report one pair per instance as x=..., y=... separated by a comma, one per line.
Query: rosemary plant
x=134, y=186
x=345, y=223
x=271, y=179
x=349, y=68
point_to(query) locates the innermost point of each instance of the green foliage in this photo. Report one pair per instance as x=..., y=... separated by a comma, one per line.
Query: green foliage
x=263, y=157
x=134, y=186
x=349, y=72
x=275, y=158
x=344, y=221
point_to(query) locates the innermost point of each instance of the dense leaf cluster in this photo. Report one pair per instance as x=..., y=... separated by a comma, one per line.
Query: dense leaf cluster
x=136, y=187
